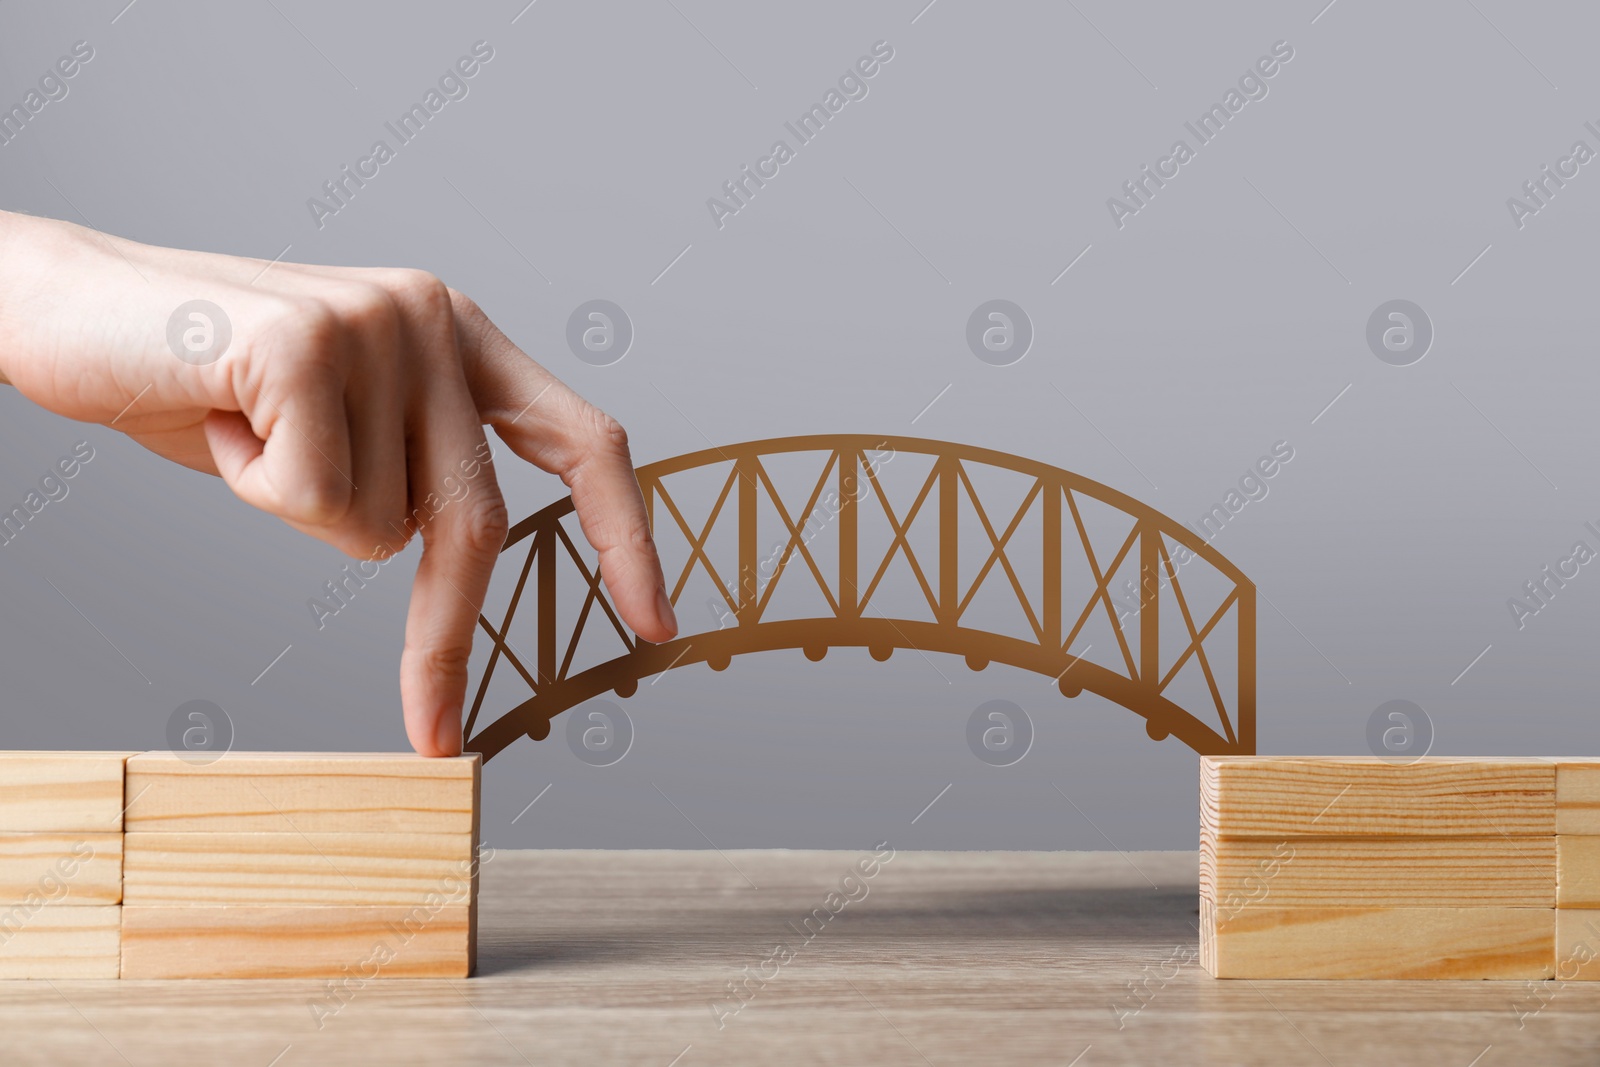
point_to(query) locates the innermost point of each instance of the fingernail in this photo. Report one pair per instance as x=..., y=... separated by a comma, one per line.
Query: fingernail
x=449, y=735
x=664, y=609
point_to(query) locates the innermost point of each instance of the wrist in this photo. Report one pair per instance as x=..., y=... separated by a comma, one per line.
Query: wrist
x=14, y=272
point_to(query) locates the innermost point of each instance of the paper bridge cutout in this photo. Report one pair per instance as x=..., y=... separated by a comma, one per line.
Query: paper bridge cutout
x=1155, y=547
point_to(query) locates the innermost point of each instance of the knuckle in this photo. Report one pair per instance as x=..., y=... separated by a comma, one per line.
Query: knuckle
x=465, y=308
x=639, y=533
x=315, y=325
x=419, y=291
x=301, y=336
x=613, y=434
x=602, y=433
x=483, y=524
x=592, y=435
x=425, y=313
x=321, y=502
x=624, y=536
x=471, y=321
x=367, y=308
x=594, y=440
x=441, y=661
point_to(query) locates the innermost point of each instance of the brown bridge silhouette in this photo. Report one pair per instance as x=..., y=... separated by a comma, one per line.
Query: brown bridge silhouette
x=1139, y=682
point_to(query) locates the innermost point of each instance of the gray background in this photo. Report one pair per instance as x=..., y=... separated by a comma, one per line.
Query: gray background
x=1222, y=318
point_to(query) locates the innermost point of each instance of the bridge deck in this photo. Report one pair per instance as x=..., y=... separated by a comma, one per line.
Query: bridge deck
x=951, y=958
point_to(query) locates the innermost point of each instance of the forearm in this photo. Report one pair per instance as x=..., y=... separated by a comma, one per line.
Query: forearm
x=50, y=290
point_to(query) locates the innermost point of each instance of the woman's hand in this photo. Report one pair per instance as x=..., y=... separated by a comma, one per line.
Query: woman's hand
x=347, y=402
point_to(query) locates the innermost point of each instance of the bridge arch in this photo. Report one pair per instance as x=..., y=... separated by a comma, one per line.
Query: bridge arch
x=1137, y=674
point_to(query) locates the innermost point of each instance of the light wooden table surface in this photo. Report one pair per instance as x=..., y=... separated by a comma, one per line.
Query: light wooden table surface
x=600, y=958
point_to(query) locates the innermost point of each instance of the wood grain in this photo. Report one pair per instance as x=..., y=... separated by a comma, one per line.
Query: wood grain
x=303, y=793
x=1578, y=945
x=1577, y=871
x=296, y=942
x=61, y=791
x=56, y=869
x=49, y=942
x=190, y=869
x=1401, y=872
x=1282, y=796
x=1578, y=796
x=1264, y=942
x=1021, y=959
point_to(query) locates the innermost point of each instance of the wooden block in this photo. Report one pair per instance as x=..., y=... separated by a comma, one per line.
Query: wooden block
x=1395, y=872
x=250, y=942
x=61, y=791
x=1578, y=796
x=1322, y=796
x=1577, y=871
x=188, y=869
x=50, y=870
x=49, y=942
x=477, y=856
x=1379, y=943
x=1578, y=945
x=303, y=793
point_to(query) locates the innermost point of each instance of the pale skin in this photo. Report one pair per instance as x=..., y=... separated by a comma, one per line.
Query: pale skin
x=345, y=397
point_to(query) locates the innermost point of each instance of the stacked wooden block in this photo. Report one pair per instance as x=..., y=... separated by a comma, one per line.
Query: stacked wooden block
x=60, y=864
x=268, y=865
x=1318, y=867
